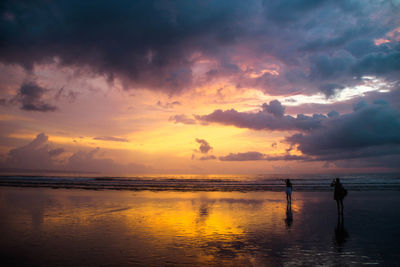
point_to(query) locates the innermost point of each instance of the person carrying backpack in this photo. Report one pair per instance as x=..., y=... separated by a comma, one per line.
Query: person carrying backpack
x=339, y=193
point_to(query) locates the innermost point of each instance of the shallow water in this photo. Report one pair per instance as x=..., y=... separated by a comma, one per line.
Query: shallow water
x=41, y=226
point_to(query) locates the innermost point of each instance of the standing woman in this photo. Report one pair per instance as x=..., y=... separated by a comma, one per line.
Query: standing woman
x=338, y=194
x=288, y=191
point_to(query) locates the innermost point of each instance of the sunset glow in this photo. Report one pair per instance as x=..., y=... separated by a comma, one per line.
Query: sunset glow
x=130, y=96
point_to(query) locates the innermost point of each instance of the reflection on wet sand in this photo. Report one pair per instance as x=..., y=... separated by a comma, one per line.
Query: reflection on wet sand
x=341, y=233
x=70, y=227
x=186, y=227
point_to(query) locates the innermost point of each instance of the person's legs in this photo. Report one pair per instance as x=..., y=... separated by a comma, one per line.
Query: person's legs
x=341, y=206
x=338, y=206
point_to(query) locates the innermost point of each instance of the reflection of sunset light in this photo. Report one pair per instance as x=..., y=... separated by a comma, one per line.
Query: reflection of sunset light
x=205, y=215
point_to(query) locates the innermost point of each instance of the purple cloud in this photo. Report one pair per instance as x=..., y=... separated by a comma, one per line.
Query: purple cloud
x=271, y=117
x=204, y=146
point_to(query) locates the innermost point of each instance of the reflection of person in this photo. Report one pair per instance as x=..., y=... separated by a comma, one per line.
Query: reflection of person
x=289, y=215
x=288, y=191
x=338, y=194
x=341, y=234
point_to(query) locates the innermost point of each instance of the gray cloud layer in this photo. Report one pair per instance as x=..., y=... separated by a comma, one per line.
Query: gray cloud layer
x=315, y=45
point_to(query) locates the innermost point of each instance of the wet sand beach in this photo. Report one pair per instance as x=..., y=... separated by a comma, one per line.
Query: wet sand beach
x=64, y=227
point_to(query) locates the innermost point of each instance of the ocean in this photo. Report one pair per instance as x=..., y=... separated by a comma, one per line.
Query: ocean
x=243, y=183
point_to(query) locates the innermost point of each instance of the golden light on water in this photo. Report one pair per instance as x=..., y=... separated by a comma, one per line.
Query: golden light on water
x=204, y=216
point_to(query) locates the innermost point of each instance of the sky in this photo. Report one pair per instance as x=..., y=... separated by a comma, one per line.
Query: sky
x=200, y=87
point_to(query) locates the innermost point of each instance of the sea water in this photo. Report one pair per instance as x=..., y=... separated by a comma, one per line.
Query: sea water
x=261, y=182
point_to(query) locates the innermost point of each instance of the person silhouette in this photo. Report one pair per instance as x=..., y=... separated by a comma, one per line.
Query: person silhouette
x=288, y=190
x=338, y=194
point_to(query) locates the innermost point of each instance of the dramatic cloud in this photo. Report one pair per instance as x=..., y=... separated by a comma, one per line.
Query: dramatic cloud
x=204, y=146
x=253, y=155
x=30, y=98
x=276, y=46
x=316, y=57
x=111, y=138
x=270, y=118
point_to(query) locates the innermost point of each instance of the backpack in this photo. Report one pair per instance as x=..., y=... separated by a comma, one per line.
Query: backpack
x=344, y=192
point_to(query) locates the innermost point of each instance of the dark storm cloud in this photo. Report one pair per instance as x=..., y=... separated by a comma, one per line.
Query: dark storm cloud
x=145, y=43
x=152, y=44
x=30, y=97
x=111, y=138
x=204, y=146
x=271, y=117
